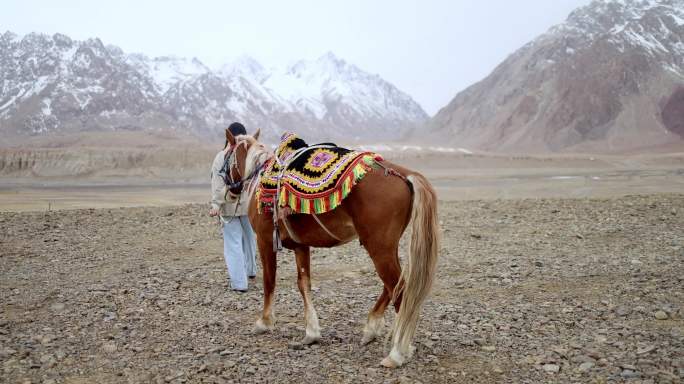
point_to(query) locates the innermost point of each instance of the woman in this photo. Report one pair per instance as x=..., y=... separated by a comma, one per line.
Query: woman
x=239, y=245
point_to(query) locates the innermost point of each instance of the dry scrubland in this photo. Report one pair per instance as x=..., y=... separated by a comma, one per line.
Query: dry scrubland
x=536, y=290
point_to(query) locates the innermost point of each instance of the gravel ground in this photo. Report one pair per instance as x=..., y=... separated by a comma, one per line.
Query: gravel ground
x=539, y=290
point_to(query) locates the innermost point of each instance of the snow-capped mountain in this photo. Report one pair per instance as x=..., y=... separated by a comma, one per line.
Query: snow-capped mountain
x=166, y=71
x=333, y=91
x=610, y=78
x=53, y=84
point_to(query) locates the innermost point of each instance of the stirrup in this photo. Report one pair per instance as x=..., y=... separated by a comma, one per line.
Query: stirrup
x=277, y=243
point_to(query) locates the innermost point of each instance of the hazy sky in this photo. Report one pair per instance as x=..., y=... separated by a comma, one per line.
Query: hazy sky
x=430, y=49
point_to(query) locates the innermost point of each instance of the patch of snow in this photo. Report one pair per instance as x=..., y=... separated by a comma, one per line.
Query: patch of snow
x=618, y=29
x=108, y=113
x=9, y=102
x=236, y=105
x=82, y=61
x=37, y=87
x=667, y=67
x=376, y=148
x=563, y=177
x=246, y=67
x=410, y=148
x=450, y=150
x=68, y=54
x=166, y=71
x=47, y=106
x=645, y=40
x=678, y=20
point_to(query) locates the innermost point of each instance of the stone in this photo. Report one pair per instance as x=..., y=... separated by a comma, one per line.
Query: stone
x=109, y=347
x=584, y=367
x=4, y=353
x=661, y=315
x=629, y=374
x=551, y=368
x=645, y=350
x=295, y=346
x=622, y=311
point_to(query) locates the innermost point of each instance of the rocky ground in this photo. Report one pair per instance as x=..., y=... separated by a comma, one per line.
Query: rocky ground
x=539, y=290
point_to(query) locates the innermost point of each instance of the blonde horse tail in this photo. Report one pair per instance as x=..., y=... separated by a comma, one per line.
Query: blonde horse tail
x=418, y=274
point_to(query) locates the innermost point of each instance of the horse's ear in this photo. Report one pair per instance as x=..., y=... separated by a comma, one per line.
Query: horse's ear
x=230, y=137
x=256, y=134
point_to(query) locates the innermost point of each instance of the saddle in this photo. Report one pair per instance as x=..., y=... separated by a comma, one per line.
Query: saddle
x=311, y=179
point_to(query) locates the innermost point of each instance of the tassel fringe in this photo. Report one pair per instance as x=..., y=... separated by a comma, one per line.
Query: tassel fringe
x=328, y=201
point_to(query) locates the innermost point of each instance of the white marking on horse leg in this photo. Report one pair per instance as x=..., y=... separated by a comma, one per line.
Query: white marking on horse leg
x=397, y=358
x=394, y=359
x=373, y=329
x=265, y=323
x=313, y=329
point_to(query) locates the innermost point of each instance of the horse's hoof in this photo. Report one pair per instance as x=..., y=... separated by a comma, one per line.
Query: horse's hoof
x=308, y=340
x=388, y=362
x=260, y=327
x=394, y=359
x=367, y=339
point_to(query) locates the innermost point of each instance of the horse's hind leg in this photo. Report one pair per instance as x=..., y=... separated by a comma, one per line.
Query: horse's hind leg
x=268, y=263
x=388, y=268
x=313, y=330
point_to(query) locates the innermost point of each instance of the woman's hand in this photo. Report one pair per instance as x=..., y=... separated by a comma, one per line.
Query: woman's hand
x=213, y=212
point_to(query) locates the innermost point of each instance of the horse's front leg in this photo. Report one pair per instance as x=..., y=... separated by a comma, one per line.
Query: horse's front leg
x=266, y=321
x=313, y=330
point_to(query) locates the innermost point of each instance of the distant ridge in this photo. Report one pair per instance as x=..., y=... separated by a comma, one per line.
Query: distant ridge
x=56, y=85
x=609, y=79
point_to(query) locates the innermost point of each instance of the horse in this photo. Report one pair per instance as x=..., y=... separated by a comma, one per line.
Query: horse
x=377, y=212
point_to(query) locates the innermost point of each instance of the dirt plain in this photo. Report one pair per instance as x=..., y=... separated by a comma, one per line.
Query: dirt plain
x=552, y=269
x=528, y=291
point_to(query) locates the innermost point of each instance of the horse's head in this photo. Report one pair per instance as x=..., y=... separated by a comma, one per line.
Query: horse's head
x=246, y=158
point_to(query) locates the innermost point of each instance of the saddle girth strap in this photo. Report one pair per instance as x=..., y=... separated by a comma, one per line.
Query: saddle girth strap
x=325, y=228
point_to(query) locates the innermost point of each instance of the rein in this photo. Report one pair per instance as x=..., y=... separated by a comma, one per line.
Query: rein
x=230, y=162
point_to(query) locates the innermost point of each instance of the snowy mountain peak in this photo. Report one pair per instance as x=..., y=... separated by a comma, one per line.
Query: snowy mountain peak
x=166, y=71
x=326, y=65
x=9, y=36
x=244, y=66
x=331, y=58
x=612, y=16
x=651, y=26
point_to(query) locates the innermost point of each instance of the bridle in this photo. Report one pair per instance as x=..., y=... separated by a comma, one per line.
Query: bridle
x=231, y=163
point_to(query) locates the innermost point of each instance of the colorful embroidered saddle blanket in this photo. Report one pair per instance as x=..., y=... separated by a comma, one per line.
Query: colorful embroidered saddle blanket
x=313, y=179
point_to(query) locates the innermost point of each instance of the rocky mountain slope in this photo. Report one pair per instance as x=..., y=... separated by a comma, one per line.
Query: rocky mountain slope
x=609, y=79
x=53, y=84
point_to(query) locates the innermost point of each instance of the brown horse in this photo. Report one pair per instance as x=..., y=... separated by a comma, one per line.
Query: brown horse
x=377, y=211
